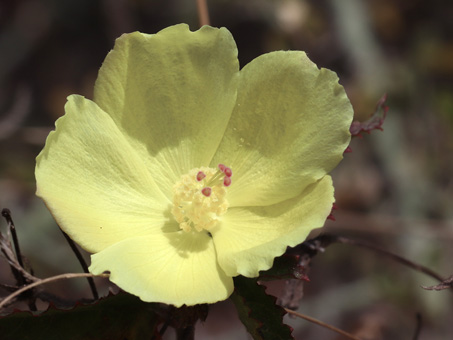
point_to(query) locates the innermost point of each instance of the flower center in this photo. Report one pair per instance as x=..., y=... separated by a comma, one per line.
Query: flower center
x=199, y=197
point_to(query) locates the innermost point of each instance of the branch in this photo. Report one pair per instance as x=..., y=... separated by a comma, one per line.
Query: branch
x=10, y=297
x=445, y=284
x=418, y=326
x=322, y=324
x=6, y=213
x=83, y=264
x=203, y=13
x=16, y=262
x=397, y=258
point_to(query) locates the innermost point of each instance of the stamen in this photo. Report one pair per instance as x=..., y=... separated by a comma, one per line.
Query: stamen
x=228, y=172
x=227, y=181
x=206, y=191
x=199, y=198
x=200, y=175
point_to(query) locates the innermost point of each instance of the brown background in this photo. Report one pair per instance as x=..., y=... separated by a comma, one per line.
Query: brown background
x=395, y=189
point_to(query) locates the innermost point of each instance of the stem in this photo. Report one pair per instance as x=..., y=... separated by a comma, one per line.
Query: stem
x=21, y=280
x=163, y=328
x=394, y=257
x=186, y=333
x=418, y=326
x=322, y=324
x=203, y=13
x=6, y=213
x=83, y=264
x=10, y=297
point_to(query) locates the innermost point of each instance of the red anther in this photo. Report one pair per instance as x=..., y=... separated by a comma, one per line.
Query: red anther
x=222, y=167
x=200, y=175
x=227, y=181
x=348, y=150
x=206, y=191
x=228, y=172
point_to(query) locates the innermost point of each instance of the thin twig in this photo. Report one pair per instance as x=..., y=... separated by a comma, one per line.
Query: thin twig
x=16, y=262
x=445, y=284
x=394, y=257
x=418, y=326
x=83, y=264
x=9, y=255
x=203, y=13
x=15, y=267
x=186, y=333
x=322, y=324
x=6, y=213
x=164, y=327
x=8, y=251
x=10, y=297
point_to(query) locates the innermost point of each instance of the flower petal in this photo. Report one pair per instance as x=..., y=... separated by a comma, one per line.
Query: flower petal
x=171, y=94
x=95, y=185
x=289, y=128
x=173, y=268
x=249, y=238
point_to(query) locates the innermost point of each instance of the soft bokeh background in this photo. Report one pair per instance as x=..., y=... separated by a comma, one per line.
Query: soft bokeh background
x=395, y=188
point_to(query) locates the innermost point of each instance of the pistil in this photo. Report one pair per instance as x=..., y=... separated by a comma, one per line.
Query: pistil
x=199, y=198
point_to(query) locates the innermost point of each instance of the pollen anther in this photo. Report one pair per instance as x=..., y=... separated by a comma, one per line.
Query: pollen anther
x=206, y=191
x=228, y=172
x=199, y=198
x=200, y=175
x=227, y=181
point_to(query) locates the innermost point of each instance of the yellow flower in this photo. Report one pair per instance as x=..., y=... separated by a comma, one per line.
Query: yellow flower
x=133, y=176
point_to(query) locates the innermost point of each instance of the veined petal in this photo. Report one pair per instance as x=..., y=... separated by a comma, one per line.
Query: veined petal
x=289, y=128
x=171, y=94
x=94, y=183
x=174, y=268
x=249, y=238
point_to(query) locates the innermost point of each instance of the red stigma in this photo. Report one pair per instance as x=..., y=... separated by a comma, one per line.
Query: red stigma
x=206, y=191
x=222, y=167
x=200, y=176
x=227, y=181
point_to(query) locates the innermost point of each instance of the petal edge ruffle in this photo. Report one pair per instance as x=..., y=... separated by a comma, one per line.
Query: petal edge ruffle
x=171, y=94
x=289, y=128
x=249, y=238
x=94, y=184
x=175, y=268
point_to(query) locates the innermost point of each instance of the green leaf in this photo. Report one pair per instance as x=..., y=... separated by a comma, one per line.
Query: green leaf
x=262, y=318
x=122, y=316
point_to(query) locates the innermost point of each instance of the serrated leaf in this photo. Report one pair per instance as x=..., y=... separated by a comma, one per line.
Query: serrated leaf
x=258, y=312
x=122, y=316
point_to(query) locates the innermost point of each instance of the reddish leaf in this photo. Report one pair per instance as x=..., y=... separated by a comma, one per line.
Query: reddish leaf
x=374, y=122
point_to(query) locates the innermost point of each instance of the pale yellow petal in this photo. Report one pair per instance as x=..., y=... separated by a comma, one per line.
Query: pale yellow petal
x=94, y=183
x=173, y=268
x=289, y=128
x=171, y=94
x=249, y=238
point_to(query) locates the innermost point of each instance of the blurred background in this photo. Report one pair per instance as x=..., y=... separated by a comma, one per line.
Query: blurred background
x=395, y=189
